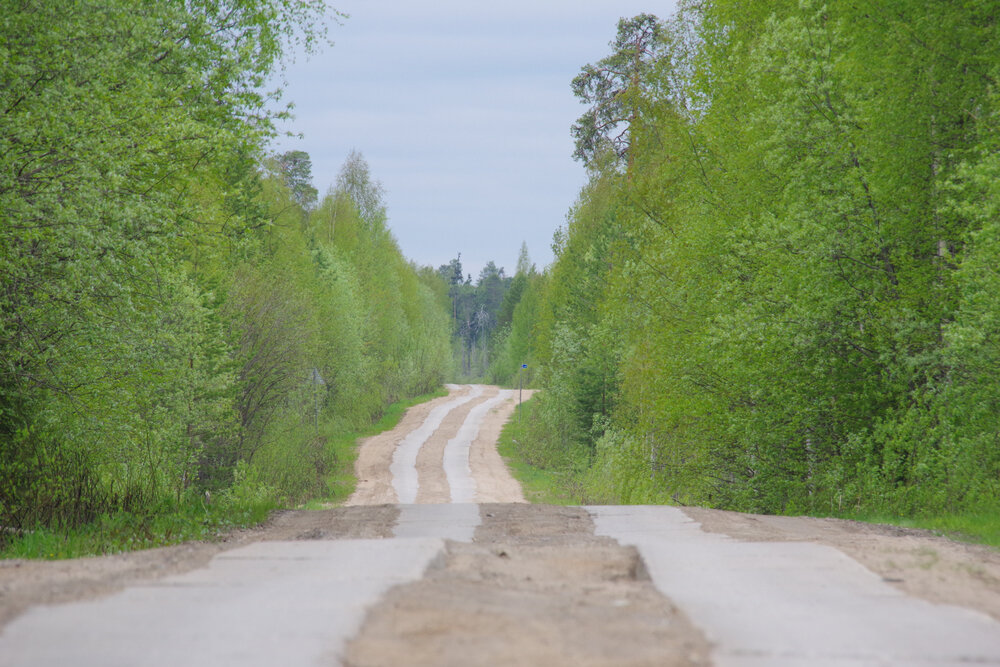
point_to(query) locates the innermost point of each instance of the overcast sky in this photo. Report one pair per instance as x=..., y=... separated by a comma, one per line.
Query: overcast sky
x=463, y=111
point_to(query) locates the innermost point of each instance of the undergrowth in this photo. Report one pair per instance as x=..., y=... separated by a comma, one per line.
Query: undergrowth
x=978, y=528
x=540, y=485
x=564, y=487
x=247, y=503
x=124, y=531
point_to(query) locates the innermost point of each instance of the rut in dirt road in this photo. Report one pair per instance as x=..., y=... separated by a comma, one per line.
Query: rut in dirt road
x=468, y=574
x=443, y=451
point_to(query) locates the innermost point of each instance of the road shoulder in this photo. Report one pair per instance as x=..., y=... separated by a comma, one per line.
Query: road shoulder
x=916, y=562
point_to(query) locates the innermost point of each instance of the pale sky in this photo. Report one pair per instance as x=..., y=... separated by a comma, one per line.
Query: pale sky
x=462, y=110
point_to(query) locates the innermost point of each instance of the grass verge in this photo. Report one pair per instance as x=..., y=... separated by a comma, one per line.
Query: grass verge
x=976, y=528
x=242, y=506
x=539, y=485
x=125, y=531
x=555, y=487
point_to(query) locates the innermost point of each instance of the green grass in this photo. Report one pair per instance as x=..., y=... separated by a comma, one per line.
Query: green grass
x=241, y=507
x=543, y=486
x=123, y=531
x=977, y=528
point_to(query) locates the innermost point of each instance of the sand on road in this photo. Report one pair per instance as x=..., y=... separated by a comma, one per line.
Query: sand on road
x=492, y=480
x=528, y=584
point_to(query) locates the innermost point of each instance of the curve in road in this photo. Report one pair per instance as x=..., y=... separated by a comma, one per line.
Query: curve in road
x=403, y=468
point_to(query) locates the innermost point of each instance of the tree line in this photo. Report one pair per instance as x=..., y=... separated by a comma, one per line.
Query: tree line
x=180, y=312
x=482, y=314
x=778, y=290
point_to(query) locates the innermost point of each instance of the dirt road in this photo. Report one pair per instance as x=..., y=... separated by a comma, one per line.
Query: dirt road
x=441, y=451
x=437, y=560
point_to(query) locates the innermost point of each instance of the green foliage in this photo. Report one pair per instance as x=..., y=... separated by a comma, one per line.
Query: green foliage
x=331, y=325
x=294, y=168
x=514, y=340
x=177, y=315
x=614, y=86
x=785, y=301
x=121, y=141
x=514, y=337
x=540, y=484
x=160, y=525
x=481, y=314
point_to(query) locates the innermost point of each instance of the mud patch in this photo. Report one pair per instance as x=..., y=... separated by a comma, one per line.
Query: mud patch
x=536, y=587
x=534, y=524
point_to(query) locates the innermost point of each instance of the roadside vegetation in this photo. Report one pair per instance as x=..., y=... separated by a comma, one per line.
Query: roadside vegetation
x=550, y=486
x=778, y=291
x=482, y=319
x=189, y=335
x=208, y=518
x=965, y=527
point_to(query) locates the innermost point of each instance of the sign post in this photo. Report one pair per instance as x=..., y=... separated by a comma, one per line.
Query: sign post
x=317, y=381
x=520, y=385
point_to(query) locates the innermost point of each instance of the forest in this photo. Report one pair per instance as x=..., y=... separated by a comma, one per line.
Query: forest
x=778, y=291
x=482, y=315
x=188, y=332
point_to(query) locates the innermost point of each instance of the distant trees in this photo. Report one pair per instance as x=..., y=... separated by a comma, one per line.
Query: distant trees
x=295, y=170
x=354, y=181
x=514, y=335
x=474, y=311
x=482, y=315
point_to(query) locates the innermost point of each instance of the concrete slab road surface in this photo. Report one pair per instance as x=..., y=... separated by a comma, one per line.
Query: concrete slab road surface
x=794, y=603
x=437, y=560
x=269, y=603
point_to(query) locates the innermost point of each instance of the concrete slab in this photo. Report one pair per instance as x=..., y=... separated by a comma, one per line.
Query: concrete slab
x=456, y=452
x=783, y=603
x=447, y=521
x=404, y=458
x=269, y=603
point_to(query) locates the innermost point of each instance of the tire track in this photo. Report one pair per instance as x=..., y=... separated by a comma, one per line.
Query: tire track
x=433, y=483
x=456, y=463
x=403, y=468
x=494, y=482
x=375, y=454
x=443, y=451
